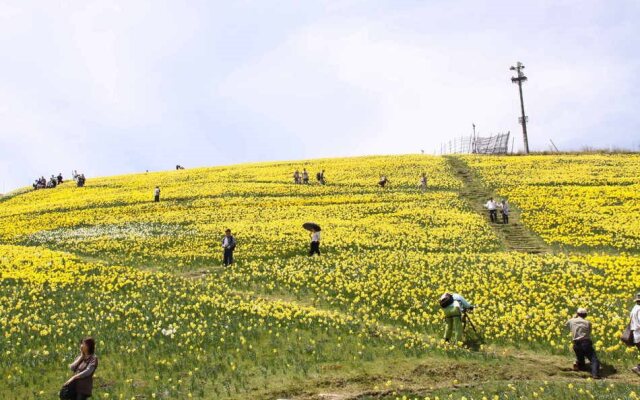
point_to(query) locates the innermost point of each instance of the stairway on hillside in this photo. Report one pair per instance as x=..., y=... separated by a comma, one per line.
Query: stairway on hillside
x=515, y=236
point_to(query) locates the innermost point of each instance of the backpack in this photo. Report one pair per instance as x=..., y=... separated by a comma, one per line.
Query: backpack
x=627, y=336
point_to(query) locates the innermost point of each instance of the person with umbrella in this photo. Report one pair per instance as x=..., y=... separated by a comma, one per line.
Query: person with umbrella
x=315, y=237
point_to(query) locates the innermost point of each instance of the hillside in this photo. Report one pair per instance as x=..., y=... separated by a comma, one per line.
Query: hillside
x=360, y=321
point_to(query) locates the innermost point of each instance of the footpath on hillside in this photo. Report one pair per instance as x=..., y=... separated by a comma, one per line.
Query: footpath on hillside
x=514, y=235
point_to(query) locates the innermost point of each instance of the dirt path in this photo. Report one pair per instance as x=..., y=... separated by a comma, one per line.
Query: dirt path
x=515, y=236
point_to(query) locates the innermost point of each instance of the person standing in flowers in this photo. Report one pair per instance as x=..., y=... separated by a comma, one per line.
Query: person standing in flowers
x=229, y=245
x=423, y=182
x=320, y=177
x=582, y=344
x=492, y=206
x=315, y=242
x=635, y=328
x=383, y=181
x=84, y=366
x=296, y=177
x=504, y=210
x=156, y=194
x=453, y=305
x=305, y=176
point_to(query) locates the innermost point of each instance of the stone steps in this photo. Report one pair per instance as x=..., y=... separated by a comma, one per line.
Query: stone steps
x=515, y=236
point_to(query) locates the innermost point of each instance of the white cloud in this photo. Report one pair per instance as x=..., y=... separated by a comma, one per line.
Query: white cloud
x=125, y=86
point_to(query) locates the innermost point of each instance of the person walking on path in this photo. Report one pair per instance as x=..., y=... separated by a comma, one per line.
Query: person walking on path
x=582, y=344
x=315, y=242
x=635, y=327
x=423, y=182
x=305, y=176
x=229, y=245
x=81, y=383
x=504, y=210
x=493, y=210
x=156, y=194
x=453, y=305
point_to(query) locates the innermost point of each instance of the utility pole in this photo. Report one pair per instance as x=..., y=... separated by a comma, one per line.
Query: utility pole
x=523, y=120
x=473, y=142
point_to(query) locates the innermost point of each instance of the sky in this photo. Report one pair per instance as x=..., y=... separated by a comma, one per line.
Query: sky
x=126, y=86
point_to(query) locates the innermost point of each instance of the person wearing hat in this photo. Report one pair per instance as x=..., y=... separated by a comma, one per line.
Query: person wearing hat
x=453, y=305
x=582, y=344
x=635, y=327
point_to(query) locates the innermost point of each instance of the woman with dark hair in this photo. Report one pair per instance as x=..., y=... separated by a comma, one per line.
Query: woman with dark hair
x=83, y=369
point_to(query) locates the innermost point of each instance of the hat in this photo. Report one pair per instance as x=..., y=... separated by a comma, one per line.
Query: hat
x=581, y=311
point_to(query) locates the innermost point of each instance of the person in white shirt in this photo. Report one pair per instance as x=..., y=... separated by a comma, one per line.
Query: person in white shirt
x=492, y=206
x=423, y=182
x=635, y=328
x=315, y=243
x=156, y=194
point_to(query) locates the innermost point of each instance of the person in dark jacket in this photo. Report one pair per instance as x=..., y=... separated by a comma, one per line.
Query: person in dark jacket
x=83, y=368
x=383, y=181
x=229, y=245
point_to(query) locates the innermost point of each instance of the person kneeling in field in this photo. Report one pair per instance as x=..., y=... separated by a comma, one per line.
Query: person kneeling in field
x=582, y=345
x=453, y=305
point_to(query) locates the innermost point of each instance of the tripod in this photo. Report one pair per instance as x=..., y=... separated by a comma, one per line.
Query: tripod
x=466, y=320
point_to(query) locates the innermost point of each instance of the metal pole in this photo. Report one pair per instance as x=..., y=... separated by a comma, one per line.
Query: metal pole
x=524, y=119
x=473, y=141
x=519, y=79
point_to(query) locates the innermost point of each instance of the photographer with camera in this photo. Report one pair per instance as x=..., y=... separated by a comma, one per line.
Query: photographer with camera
x=454, y=306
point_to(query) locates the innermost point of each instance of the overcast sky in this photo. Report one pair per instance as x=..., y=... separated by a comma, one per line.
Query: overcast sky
x=112, y=87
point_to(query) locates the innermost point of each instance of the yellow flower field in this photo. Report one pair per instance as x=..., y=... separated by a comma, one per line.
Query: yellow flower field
x=146, y=279
x=578, y=200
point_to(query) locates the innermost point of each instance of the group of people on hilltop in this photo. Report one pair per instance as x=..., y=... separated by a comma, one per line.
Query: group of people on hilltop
x=54, y=181
x=78, y=178
x=303, y=178
x=43, y=183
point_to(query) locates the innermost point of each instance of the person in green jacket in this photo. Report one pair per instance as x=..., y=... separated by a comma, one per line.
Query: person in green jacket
x=453, y=305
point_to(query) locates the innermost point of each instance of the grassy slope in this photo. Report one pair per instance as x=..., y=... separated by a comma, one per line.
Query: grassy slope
x=430, y=374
